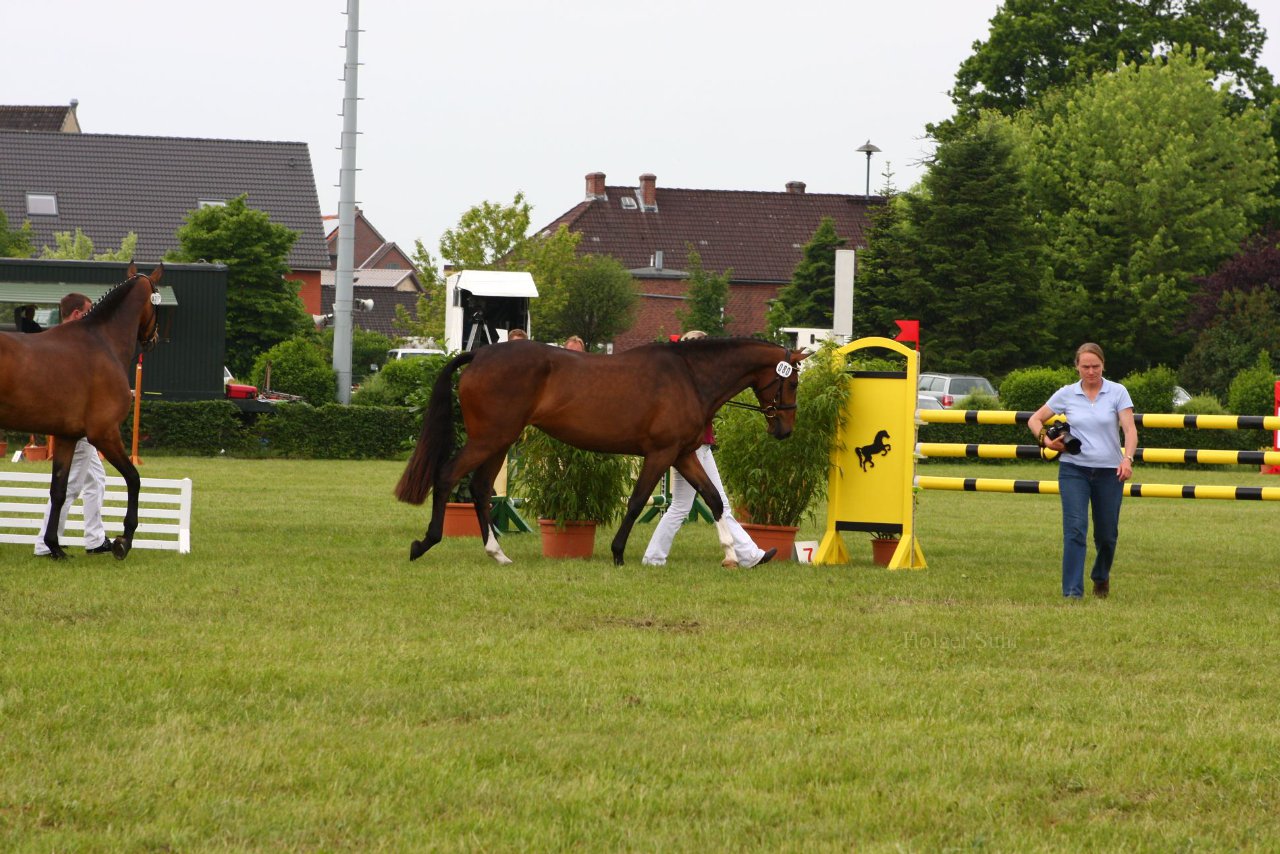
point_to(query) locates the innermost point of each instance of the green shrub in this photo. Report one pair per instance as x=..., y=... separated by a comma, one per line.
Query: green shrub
x=401, y=382
x=567, y=484
x=1253, y=392
x=298, y=366
x=337, y=432
x=1028, y=389
x=1152, y=390
x=198, y=427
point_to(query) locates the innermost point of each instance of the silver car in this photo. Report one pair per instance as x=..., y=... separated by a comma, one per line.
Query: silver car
x=948, y=388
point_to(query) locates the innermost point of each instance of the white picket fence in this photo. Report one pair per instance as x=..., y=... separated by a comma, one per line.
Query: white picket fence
x=164, y=511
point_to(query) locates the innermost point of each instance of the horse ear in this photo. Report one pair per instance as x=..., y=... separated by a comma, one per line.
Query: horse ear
x=157, y=273
x=797, y=359
x=132, y=271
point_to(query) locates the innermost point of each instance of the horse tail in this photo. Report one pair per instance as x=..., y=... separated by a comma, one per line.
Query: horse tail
x=435, y=445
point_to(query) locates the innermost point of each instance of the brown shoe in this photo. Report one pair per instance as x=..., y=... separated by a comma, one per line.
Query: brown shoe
x=1101, y=589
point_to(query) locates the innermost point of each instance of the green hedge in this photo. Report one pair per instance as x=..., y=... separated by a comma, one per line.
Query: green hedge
x=212, y=427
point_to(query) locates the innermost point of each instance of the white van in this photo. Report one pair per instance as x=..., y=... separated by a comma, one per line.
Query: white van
x=412, y=352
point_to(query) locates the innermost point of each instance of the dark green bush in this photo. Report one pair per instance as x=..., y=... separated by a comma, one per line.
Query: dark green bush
x=1028, y=389
x=298, y=366
x=1152, y=390
x=401, y=382
x=198, y=427
x=337, y=432
x=1253, y=392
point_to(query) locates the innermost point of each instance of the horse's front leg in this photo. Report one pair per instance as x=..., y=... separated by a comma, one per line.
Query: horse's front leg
x=115, y=454
x=63, y=451
x=650, y=473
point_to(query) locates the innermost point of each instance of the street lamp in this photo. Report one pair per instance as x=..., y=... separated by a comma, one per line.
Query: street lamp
x=870, y=150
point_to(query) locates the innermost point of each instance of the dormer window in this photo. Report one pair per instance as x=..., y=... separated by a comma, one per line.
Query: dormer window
x=213, y=203
x=629, y=203
x=42, y=204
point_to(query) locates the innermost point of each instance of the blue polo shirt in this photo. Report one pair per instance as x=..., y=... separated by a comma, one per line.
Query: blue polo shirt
x=1096, y=423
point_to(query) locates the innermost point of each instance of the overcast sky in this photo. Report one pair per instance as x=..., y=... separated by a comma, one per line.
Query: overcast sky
x=471, y=101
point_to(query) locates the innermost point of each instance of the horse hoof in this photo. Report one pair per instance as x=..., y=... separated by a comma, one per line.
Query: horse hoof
x=119, y=548
x=416, y=550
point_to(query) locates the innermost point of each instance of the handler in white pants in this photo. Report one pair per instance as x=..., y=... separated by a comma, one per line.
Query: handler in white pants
x=682, y=495
x=87, y=480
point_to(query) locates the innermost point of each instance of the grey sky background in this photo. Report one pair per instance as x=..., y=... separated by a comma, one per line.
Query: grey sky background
x=473, y=101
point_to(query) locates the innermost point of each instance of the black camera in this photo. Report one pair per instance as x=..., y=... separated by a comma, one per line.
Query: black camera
x=1062, y=430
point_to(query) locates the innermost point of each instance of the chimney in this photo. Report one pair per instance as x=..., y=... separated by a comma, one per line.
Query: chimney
x=595, y=186
x=795, y=186
x=648, y=192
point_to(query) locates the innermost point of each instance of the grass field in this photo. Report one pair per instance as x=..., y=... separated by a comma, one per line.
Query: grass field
x=296, y=684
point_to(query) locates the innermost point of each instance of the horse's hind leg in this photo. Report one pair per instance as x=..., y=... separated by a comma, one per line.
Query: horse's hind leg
x=481, y=495
x=467, y=460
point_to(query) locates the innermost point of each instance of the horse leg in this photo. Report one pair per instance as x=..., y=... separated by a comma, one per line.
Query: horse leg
x=112, y=447
x=726, y=542
x=650, y=473
x=466, y=461
x=481, y=494
x=64, y=449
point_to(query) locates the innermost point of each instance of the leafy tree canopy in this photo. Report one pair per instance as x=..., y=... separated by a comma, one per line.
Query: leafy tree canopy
x=599, y=302
x=486, y=234
x=14, y=243
x=78, y=247
x=705, y=296
x=809, y=299
x=1036, y=46
x=1147, y=179
x=263, y=308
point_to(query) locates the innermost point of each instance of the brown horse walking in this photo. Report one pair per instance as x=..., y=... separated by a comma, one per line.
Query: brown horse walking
x=653, y=401
x=72, y=382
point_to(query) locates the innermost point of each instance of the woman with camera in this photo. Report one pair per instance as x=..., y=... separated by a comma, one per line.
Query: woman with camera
x=1093, y=466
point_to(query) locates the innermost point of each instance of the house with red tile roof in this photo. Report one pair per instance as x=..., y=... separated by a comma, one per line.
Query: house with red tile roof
x=757, y=235
x=383, y=273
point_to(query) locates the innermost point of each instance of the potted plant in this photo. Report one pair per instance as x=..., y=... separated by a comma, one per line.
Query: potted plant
x=883, y=545
x=774, y=483
x=570, y=490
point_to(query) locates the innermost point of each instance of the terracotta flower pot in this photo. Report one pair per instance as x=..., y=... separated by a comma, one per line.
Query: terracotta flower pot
x=577, y=539
x=460, y=520
x=780, y=537
x=35, y=453
x=882, y=550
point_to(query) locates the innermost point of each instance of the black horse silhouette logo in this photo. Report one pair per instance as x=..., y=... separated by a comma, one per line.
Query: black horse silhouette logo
x=879, y=446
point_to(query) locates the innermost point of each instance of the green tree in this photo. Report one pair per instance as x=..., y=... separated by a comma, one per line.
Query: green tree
x=427, y=320
x=809, y=299
x=549, y=258
x=1036, y=46
x=600, y=301
x=705, y=296
x=961, y=256
x=368, y=350
x=486, y=235
x=14, y=243
x=79, y=247
x=263, y=308
x=1144, y=181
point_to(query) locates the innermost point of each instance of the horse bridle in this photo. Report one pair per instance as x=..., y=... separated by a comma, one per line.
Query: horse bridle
x=772, y=409
x=149, y=341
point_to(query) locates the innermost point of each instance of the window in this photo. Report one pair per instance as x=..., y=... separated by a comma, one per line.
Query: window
x=42, y=204
x=213, y=203
x=628, y=203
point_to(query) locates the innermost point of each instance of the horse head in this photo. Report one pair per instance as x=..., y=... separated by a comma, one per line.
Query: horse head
x=775, y=387
x=148, y=318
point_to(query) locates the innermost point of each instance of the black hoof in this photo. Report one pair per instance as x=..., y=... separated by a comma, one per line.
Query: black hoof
x=119, y=548
x=416, y=550
x=58, y=555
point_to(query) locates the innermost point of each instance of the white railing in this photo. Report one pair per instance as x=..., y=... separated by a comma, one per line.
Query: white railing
x=164, y=511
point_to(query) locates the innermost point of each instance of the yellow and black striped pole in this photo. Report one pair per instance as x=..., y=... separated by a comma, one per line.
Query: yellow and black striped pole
x=1131, y=490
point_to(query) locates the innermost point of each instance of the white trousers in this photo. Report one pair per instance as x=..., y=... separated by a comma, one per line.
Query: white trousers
x=87, y=480
x=682, y=495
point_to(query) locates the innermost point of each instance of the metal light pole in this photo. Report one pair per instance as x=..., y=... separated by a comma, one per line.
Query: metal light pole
x=345, y=274
x=870, y=150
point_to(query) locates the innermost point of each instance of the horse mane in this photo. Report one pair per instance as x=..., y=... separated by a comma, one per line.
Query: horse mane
x=715, y=345
x=111, y=300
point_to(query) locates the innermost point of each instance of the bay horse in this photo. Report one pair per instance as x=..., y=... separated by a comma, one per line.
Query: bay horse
x=653, y=401
x=72, y=382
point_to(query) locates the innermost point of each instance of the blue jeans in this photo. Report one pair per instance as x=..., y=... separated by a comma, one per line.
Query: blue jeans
x=1079, y=488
